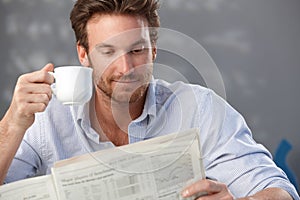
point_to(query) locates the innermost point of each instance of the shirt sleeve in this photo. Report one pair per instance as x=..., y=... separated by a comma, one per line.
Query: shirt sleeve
x=24, y=164
x=27, y=161
x=231, y=155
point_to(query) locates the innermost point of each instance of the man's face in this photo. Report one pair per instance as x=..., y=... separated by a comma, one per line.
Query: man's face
x=121, y=56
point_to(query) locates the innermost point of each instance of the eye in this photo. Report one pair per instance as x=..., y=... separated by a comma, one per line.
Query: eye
x=107, y=52
x=138, y=50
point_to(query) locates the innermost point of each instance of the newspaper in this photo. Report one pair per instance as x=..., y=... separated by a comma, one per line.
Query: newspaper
x=157, y=168
x=38, y=188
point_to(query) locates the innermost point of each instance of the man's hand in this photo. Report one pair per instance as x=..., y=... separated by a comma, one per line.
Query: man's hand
x=211, y=189
x=32, y=94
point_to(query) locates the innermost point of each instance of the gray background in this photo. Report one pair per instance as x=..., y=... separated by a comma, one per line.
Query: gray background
x=255, y=45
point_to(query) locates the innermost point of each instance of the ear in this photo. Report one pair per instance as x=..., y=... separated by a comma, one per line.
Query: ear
x=154, y=52
x=82, y=55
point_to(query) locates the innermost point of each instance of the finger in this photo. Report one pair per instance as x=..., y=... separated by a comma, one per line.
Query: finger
x=31, y=98
x=37, y=98
x=202, y=187
x=40, y=89
x=30, y=109
x=217, y=196
x=41, y=76
x=48, y=67
x=27, y=108
x=33, y=88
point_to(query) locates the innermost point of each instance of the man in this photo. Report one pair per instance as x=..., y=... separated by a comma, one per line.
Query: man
x=115, y=39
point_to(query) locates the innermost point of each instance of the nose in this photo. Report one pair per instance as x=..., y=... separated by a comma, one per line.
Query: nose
x=124, y=63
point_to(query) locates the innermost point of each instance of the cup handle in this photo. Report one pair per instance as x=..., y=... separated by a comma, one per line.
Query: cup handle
x=53, y=85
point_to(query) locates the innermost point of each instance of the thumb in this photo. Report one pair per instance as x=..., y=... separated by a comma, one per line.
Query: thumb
x=48, y=67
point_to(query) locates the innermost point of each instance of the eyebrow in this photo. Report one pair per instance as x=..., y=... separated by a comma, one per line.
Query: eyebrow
x=104, y=45
x=141, y=41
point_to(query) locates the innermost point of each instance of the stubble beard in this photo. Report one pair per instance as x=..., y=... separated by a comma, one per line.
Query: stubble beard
x=125, y=95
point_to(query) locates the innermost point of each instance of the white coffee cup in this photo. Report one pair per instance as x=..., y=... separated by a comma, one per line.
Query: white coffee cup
x=73, y=84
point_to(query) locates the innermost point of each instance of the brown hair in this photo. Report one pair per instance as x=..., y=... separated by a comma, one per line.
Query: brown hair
x=83, y=10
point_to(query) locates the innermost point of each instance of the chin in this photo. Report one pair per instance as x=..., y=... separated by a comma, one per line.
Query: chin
x=129, y=97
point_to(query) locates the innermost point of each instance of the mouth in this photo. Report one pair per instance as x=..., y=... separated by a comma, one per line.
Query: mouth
x=125, y=81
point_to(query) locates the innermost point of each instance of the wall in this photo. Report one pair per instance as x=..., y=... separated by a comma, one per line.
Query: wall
x=254, y=44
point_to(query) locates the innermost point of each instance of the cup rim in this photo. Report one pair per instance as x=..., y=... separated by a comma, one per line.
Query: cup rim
x=63, y=67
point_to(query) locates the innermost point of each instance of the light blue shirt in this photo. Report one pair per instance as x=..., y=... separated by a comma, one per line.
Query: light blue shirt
x=230, y=155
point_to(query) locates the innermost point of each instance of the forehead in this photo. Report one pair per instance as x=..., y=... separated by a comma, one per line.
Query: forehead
x=116, y=30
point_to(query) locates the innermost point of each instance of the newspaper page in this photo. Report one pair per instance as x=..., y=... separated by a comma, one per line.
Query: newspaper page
x=38, y=188
x=157, y=168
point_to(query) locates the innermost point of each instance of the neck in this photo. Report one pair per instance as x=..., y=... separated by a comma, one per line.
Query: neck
x=114, y=117
x=118, y=111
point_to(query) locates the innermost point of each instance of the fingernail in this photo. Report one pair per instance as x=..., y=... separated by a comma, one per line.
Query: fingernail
x=185, y=193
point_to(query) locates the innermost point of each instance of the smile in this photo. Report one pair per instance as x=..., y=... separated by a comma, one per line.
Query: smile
x=125, y=81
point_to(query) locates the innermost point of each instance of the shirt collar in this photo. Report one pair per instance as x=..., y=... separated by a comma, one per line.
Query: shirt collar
x=82, y=116
x=150, y=103
x=81, y=112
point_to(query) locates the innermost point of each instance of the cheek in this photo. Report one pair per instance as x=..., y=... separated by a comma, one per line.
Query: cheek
x=100, y=70
x=143, y=61
x=99, y=63
x=144, y=72
x=98, y=74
